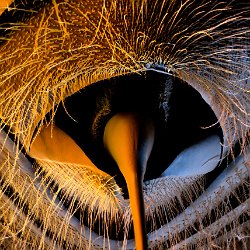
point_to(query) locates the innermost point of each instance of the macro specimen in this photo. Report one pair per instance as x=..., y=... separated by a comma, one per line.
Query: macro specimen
x=124, y=124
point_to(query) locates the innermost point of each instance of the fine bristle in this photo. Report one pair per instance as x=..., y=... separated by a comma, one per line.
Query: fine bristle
x=68, y=45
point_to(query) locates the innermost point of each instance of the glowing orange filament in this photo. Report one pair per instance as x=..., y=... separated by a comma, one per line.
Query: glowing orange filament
x=121, y=140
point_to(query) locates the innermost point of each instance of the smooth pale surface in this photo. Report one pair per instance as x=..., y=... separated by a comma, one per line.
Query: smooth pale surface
x=4, y=4
x=198, y=159
x=146, y=145
x=121, y=140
